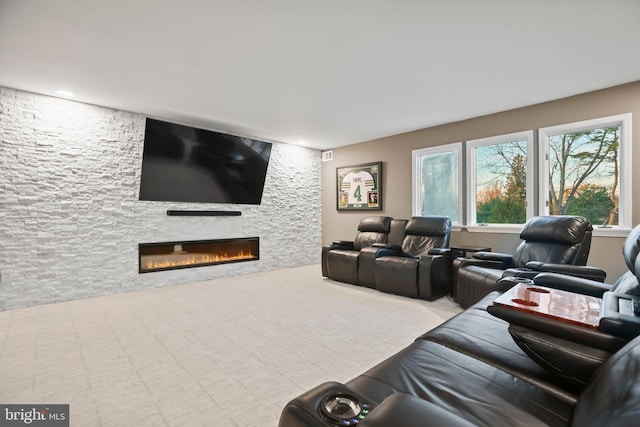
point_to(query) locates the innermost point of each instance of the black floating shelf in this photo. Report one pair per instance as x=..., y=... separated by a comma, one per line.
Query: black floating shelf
x=203, y=213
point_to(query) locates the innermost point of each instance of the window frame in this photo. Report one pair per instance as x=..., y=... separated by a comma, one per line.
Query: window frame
x=471, y=169
x=624, y=155
x=416, y=181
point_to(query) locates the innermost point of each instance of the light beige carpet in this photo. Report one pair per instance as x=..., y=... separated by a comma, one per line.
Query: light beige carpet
x=227, y=352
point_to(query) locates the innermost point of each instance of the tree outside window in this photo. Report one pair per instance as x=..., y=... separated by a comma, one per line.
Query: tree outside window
x=584, y=174
x=588, y=170
x=500, y=181
x=501, y=186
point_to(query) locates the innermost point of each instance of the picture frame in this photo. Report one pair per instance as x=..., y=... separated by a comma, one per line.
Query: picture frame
x=359, y=187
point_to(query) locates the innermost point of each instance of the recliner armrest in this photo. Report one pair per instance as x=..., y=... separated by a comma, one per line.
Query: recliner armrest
x=586, y=272
x=343, y=244
x=573, y=284
x=617, y=315
x=440, y=251
x=574, y=362
x=405, y=410
x=569, y=350
x=488, y=263
x=303, y=411
x=506, y=259
x=367, y=261
x=390, y=246
x=383, y=249
x=556, y=328
x=434, y=274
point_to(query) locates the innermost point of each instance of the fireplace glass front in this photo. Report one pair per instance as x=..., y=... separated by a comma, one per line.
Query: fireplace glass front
x=174, y=255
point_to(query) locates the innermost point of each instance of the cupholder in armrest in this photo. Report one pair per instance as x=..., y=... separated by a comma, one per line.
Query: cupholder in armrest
x=332, y=402
x=344, y=409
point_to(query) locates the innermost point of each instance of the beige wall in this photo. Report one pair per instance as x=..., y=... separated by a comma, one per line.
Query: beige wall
x=395, y=153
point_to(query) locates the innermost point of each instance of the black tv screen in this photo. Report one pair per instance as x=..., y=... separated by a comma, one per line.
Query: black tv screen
x=186, y=164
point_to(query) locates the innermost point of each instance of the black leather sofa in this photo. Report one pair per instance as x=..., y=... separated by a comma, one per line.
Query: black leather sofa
x=405, y=257
x=469, y=371
x=476, y=369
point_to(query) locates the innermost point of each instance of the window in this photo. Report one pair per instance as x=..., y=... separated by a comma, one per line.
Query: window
x=581, y=168
x=587, y=170
x=436, y=181
x=500, y=179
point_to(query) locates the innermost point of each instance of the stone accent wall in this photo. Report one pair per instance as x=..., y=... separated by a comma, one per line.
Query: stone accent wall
x=71, y=221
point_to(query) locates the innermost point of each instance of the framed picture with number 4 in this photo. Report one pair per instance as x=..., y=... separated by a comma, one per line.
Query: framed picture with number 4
x=359, y=187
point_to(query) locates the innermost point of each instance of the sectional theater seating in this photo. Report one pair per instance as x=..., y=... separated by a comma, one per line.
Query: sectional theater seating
x=470, y=371
x=404, y=257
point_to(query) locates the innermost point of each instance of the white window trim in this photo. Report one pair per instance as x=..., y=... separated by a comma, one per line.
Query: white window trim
x=471, y=180
x=495, y=228
x=624, y=121
x=416, y=176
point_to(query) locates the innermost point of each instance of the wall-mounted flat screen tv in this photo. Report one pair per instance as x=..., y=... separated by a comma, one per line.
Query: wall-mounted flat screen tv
x=186, y=164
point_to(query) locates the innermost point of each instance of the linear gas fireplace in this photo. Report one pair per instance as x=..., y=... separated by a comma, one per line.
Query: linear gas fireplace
x=174, y=255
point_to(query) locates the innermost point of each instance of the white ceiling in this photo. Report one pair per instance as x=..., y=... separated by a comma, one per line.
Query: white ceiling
x=326, y=72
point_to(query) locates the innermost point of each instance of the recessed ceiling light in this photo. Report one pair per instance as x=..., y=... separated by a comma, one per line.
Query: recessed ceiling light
x=65, y=93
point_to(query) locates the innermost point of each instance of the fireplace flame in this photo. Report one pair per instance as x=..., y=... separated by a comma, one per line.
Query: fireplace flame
x=157, y=262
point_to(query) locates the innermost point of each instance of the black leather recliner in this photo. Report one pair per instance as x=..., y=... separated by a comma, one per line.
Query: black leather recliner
x=579, y=279
x=470, y=371
x=420, y=268
x=554, y=239
x=340, y=259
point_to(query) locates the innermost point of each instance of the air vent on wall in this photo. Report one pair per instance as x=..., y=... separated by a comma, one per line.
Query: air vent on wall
x=327, y=156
